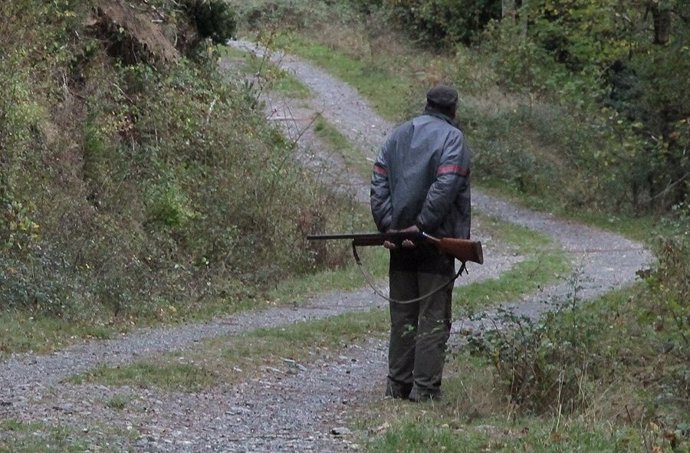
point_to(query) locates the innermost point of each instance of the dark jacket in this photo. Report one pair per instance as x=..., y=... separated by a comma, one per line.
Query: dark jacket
x=421, y=177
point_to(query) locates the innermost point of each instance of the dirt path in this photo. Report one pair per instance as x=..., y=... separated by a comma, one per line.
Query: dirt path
x=286, y=409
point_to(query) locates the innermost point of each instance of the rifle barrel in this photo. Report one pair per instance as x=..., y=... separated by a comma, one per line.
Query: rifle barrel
x=366, y=236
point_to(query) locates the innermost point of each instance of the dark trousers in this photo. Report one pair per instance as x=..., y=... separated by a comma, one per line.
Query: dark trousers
x=419, y=330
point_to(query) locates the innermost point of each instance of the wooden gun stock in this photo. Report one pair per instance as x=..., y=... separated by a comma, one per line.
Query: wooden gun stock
x=462, y=249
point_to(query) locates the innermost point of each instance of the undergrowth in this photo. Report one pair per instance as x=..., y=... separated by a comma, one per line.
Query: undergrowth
x=137, y=182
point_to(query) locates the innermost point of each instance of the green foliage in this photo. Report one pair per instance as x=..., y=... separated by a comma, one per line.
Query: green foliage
x=578, y=33
x=603, y=64
x=545, y=367
x=118, y=402
x=213, y=18
x=651, y=91
x=133, y=191
x=520, y=64
x=169, y=204
x=439, y=22
x=533, y=150
x=17, y=231
x=265, y=14
x=669, y=291
x=20, y=121
x=422, y=429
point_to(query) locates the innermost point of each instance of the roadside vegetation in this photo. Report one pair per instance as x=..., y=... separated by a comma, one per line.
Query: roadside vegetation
x=570, y=107
x=139, y=184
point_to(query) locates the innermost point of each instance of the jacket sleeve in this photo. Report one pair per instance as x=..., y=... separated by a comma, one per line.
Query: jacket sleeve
x=380, y=195
x=451, y=176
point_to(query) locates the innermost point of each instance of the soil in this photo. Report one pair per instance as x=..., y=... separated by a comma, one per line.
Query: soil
x=294, y=408
x=131, y=33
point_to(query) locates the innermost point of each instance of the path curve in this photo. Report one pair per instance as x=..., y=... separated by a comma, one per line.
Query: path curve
x=281, y=410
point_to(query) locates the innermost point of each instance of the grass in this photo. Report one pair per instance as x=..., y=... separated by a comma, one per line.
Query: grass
x=544, y=263
x=477, y=415
x=26, y=332
x=268, y=75
x=119, y=402
x=386, y=89
x=639, y=228
x=346, y=278
x=22, y=438
x=20, y=332
x=166, y=374
x=523, y=278
x=351, y=155
x=37, y=437
x=524, y=434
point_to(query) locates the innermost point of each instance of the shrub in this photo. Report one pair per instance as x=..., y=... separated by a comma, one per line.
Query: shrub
x=213, y=18
x=669, y=294
x=548, y=366
x=264, y=15
x=445, y=21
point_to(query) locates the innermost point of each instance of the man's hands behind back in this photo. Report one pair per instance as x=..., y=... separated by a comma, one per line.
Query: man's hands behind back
x=408, y=244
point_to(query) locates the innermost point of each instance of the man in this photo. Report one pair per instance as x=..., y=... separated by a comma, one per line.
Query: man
x=421, y=182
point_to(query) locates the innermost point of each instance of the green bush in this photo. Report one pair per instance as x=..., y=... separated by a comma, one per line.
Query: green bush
x=213, y=18
x=168, y=204
x=548, y=366
x=444, y=21
x=669, y=293
x=21, y=119
x=267, y=15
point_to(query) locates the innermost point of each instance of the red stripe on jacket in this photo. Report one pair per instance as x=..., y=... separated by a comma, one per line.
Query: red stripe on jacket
x=457, y=169
x=381, y=170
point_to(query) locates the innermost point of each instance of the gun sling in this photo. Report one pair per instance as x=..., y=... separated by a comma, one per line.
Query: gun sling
x=370, y=281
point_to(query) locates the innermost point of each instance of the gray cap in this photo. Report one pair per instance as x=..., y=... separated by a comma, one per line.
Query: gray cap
x=442, y=96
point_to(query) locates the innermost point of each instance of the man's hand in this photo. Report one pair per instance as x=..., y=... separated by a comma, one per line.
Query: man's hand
x=408, y=244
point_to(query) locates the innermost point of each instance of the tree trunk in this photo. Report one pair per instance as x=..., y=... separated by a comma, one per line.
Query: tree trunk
x=508, y=9
x=662, y=24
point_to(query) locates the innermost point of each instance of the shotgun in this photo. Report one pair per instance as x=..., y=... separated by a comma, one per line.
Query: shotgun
x=462, y=249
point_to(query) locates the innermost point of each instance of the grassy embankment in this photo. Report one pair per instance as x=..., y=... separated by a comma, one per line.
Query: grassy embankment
x=137, y=180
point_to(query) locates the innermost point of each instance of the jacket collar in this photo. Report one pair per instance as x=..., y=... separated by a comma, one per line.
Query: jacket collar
x=442, y=117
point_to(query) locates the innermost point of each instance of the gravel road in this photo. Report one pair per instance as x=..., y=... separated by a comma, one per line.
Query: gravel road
x=290, y=409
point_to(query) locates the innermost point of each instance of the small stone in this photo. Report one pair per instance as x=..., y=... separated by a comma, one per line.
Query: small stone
x=340, y=431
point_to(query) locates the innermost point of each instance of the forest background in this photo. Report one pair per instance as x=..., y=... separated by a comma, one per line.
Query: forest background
x=140, y=185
